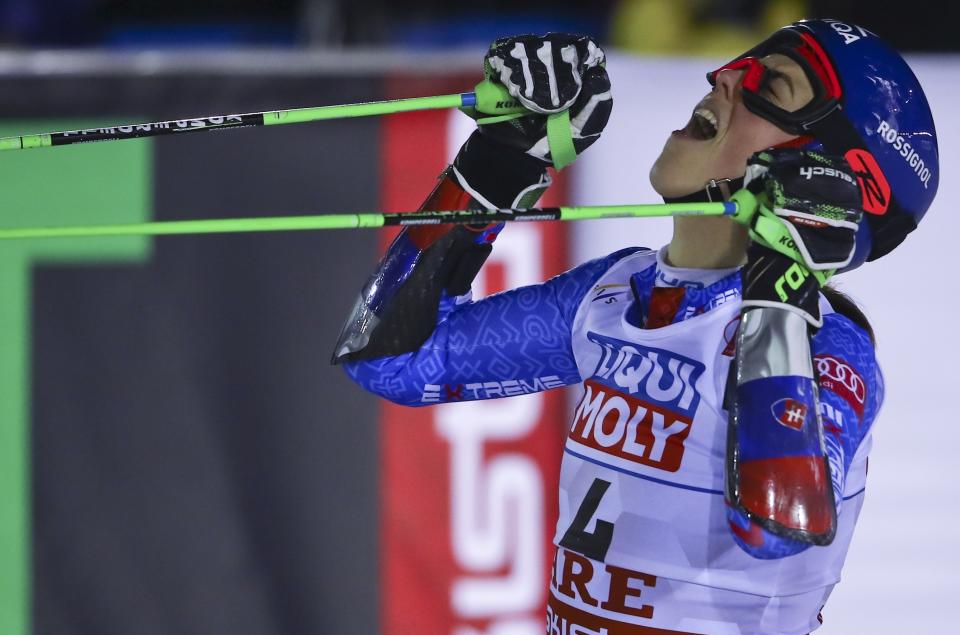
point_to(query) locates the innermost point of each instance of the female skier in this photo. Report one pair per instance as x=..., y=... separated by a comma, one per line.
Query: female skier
x=647, y=542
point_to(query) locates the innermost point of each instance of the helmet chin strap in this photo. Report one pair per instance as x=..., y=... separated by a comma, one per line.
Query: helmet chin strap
x=715, y=191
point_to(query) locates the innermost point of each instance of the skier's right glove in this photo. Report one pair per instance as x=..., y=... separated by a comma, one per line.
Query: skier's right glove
x=503, y=164
x=549, y=74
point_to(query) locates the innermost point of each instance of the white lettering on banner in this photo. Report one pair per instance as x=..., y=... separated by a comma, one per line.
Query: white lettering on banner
x=496, y=501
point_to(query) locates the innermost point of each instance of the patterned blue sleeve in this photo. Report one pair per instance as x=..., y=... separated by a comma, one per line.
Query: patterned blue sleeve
x=851, y=391
x=511, y=343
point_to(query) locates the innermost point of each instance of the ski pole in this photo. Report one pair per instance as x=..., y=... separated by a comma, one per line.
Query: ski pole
x=487, y=98
x=355, y=221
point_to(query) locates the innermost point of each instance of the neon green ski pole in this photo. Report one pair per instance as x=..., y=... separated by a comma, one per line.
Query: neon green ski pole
x=489, y=99
x=355, y=221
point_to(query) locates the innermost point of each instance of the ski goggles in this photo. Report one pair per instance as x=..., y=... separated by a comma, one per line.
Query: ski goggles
x=803, y=49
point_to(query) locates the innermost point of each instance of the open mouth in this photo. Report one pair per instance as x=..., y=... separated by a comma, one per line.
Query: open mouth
x=702, y=125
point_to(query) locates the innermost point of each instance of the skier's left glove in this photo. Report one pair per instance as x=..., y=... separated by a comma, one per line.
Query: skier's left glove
x=804, y=229
x=557, y=75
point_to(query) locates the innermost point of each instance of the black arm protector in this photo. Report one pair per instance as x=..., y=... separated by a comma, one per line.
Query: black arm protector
x=408, y=318
x=397, y=308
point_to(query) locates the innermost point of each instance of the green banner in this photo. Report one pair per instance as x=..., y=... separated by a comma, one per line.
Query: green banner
x=91, y=183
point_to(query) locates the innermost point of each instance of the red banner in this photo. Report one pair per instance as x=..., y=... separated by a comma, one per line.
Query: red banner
x=468, y=489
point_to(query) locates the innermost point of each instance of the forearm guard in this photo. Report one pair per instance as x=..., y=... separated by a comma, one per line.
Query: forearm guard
x=777, y=473
x=398, y=307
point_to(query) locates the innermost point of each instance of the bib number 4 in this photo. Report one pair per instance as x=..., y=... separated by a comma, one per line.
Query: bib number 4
x=592, y=544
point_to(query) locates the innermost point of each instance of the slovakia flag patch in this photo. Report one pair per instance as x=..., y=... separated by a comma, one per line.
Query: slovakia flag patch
x=790, y=413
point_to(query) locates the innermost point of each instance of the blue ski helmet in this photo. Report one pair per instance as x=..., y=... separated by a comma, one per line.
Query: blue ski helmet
x=867, y=107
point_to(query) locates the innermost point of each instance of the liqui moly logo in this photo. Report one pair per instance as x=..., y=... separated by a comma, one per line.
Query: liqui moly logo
x=837, y=376
x=639, y=404
x=657, y=376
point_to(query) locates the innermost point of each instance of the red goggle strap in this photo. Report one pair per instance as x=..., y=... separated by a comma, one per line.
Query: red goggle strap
x=818, y=61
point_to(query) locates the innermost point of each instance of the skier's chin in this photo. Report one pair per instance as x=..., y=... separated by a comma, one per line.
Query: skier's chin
x=683, y=167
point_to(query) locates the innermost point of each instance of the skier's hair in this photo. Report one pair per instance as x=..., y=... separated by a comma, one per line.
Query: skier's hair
x=847, y=307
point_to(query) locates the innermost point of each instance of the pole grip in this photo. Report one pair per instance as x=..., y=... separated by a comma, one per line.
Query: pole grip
x=493, y=100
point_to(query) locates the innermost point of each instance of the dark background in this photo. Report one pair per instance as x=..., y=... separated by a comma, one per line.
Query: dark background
x=423, y=23
x=198, y=466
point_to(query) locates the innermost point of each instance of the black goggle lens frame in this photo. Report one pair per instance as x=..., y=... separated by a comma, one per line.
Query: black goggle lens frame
x=805, y=51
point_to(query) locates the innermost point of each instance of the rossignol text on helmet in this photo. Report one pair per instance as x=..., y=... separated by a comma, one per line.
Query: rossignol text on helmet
x=869, y=107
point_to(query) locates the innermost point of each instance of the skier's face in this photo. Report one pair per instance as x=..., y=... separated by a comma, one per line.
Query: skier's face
x=722, y=134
